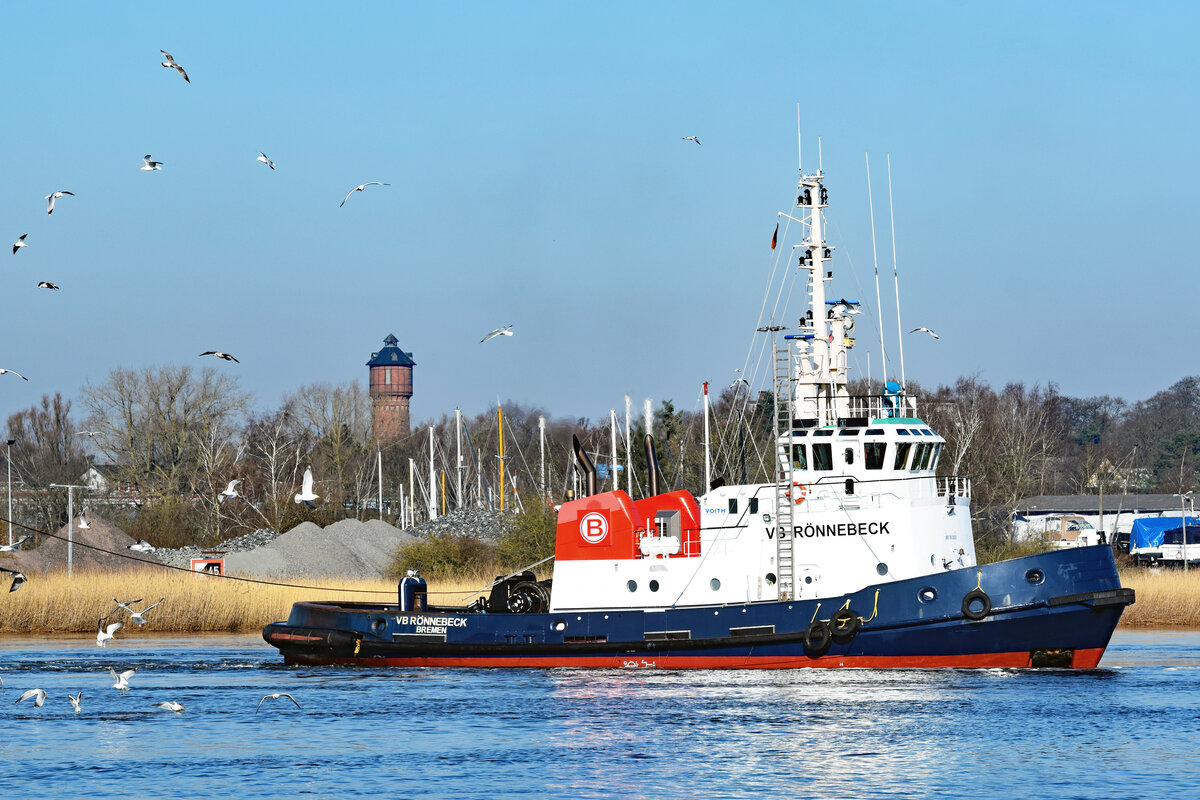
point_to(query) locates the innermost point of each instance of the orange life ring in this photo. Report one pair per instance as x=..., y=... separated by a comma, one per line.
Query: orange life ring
x=801, y=493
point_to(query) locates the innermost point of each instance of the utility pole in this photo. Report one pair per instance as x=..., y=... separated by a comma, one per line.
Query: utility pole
x=412, y=491
x=541, y=450
x=432, y=479
x=8, y=458
x=70, y=521
x=612, y=414
x=458, y=452
x=379, y=456
x=500, y=423
x=628, y=455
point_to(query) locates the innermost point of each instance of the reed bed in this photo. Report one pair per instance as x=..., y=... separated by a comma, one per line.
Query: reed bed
x=54, y=603
x=1165, y=597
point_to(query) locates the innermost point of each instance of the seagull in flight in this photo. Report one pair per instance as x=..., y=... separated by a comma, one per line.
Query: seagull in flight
x=926, y=330
x=38, y=695
x=122, y=680
x=14, y=372
x=171, y=705
x=306, y=495
x=505, y=331
x=20, y=243
x=75, y=700
x=230, y=491
x=54, y=196
x=170, y=62
x=18, y=578
x=8, y=548
x=275, y=696
x=359, y=188
x=136, y=616
x=691, y=139
x=103, y=634
x=263, y=158
x=150, y=164
x=48, y=285
x=219, y=354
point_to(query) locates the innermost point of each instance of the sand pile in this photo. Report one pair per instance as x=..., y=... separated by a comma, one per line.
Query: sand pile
x=51, y=553
x=348, y=548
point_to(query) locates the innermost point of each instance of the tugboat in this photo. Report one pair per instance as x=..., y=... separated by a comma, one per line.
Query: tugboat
x=858, y=554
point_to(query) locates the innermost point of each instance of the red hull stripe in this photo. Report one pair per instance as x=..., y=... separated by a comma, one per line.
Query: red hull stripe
x=1084, y=659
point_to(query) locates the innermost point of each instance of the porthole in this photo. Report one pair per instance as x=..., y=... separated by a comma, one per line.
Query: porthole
x=927, y=595
x=808, y=578
x=881, y=568
x=771, y=578
x=715, y=583
x=378, y=625
x=654, y=586
x=632, y=586
x=1036, y=577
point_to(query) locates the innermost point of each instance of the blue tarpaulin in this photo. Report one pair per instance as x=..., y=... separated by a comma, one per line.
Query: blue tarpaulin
x=1153, y=533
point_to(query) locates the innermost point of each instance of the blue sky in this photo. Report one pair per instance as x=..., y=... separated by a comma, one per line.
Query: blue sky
x=1042, y=157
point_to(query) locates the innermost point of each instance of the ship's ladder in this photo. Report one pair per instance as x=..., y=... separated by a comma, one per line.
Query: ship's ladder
x=784, y=489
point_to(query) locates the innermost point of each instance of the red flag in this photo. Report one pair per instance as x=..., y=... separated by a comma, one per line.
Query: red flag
x=775, y=236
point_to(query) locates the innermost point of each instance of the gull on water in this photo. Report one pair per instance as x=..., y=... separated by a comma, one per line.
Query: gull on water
x=219, y=354
x=136, y=616
x=54, y=196
x=150, y=164
x=263, y=158
x=39, y=696
x=306, y=495
x=18, y=578
x=171, y=705
x=14, y=372
x=359, y=188
x=75, y=700
x=122, y=680
x=8, y=548
x=505, y=331
x=926, y=330
x=691, y=139
x=48, y=285
x=170, y=62
x=104, y=634
x=20, y=243
x=275, y=696
x=230, y=491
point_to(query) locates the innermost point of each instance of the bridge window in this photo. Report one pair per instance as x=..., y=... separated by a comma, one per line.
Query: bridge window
x=875, y=452
x=849, y=432
x=799, y=456
x=753, y=505
x=733, y=505
x=902, y=449
x=874, y=432
x=937, y=454
x=921, y=456
x=849, y=456
x=823, y=456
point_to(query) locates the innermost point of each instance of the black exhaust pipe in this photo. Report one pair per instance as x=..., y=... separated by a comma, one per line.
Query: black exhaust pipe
x=651, y=464
x=585, y=463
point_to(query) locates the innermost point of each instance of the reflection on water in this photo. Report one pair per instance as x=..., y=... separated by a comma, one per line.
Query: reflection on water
x=607, y=733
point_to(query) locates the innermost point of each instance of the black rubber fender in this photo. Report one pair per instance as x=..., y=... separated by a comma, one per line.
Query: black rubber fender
x=817, y=638
x=969, y=598
x=844, y=624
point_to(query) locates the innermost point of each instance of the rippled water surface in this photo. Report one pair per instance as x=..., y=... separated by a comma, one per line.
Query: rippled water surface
x=1130, y=729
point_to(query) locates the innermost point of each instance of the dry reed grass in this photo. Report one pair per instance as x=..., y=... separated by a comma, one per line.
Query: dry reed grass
x=1164, y=597
x=53, y=603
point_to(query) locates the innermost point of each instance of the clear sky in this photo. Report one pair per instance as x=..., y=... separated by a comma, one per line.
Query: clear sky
x=1043, y=161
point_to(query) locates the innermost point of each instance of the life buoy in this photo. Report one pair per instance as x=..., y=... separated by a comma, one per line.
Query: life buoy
x=844, y=624
x=817, y=638
x=985, y=605
x=801, y=493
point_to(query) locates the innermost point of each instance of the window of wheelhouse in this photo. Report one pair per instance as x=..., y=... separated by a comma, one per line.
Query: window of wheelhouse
x=937, y=454
x=874, y=453
x=822, y=456
x=799, y=457
x=921, y=456
x=902, y=449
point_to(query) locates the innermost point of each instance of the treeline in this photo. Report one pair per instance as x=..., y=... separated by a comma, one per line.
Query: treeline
x=174, y=437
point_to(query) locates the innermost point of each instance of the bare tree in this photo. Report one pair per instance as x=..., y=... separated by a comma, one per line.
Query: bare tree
x=47, y=451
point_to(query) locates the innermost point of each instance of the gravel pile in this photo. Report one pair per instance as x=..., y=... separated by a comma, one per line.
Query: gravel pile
x=348, y=548
x=108, y=547
x=489, y=525
x=182, y=557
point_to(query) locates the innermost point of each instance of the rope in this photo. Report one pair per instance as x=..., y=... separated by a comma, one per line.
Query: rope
x=979, y=580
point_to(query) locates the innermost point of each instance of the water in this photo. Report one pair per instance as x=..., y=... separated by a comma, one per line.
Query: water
x=1130, y=729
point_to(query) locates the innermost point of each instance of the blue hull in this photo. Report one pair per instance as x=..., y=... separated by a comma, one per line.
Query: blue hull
x=1054, y=609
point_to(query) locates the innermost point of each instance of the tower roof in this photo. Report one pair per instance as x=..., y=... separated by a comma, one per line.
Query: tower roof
x=391, y=355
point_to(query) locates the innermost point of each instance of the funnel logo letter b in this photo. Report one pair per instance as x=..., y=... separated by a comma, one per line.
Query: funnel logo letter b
x=593, y=527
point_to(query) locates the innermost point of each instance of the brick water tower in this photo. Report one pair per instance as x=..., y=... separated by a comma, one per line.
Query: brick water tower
x=391, y=388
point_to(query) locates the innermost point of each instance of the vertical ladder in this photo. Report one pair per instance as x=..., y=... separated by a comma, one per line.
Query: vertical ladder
x=783, y=470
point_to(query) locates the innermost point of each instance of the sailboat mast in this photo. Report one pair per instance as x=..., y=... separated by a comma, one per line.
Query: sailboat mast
x=895, y=272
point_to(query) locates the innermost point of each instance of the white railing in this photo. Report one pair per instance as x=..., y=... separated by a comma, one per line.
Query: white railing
x=876, y=407
x=954, y=486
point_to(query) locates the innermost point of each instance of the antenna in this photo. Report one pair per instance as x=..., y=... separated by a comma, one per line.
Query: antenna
x=875, y=255
x=895, y=272
x=799, y=149
x=820, y=163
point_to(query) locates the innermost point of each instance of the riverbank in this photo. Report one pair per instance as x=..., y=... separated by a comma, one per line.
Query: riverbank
x=54, y=603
